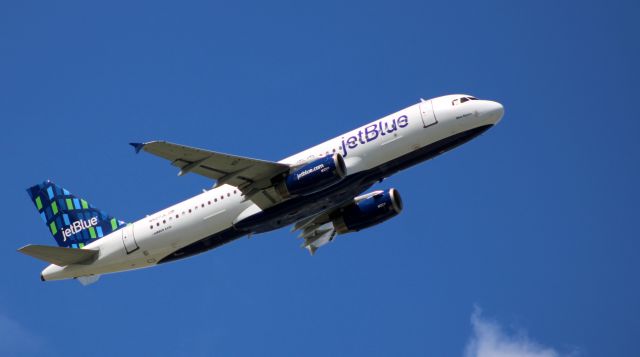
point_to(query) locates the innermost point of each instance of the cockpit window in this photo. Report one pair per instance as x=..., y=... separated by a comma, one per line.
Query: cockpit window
x=462, y=100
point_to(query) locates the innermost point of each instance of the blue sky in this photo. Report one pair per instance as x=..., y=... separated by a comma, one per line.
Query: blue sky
x=523, y=241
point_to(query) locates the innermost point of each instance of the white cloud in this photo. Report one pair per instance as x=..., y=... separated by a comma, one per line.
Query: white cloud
x=490, y=340
x=15, y=340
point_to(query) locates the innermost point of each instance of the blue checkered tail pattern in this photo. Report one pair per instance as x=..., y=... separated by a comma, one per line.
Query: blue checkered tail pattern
x=72, y=221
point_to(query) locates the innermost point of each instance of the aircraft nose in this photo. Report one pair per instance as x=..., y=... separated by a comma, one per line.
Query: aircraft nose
x=495, y=111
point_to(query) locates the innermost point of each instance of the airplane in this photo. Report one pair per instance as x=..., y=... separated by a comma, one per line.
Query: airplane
x=320, y=192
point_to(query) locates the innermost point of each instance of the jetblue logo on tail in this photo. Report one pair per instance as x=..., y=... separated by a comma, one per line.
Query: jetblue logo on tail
x=71, y=220
x=78, y=226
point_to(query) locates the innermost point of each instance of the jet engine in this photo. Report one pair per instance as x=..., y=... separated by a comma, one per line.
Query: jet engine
x=312, y=176
x=368, y=210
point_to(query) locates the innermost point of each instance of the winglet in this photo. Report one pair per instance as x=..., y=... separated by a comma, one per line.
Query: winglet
x=137, y=146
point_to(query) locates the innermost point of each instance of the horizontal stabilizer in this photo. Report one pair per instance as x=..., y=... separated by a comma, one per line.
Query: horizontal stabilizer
x=60, y=256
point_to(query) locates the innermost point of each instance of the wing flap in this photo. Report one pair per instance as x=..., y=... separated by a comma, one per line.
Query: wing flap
x=314, y=239
x=316, y=233
x=60, y=256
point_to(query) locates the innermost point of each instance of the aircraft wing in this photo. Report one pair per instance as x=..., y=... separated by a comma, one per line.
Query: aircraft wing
x=316, y=230
x=317, y=236
x=319, y=230
x=251, y=176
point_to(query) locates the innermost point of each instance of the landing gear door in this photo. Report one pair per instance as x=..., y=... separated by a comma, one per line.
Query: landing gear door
x=428, y=116
x=128, y=239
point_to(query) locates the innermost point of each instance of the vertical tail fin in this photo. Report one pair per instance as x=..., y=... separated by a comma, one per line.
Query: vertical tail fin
x=72, y=221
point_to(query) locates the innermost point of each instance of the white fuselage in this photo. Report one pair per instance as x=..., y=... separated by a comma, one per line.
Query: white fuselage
x=150, y=239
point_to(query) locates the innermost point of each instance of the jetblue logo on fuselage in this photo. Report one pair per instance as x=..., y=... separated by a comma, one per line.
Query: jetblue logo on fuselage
x=372, y=132
x=78, y=226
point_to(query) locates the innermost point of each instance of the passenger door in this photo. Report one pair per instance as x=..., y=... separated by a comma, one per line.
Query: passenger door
x=428, y=116
x=128, y=239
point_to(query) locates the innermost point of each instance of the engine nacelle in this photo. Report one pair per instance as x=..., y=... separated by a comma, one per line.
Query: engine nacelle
x=368, y=211
x=313, y=176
